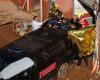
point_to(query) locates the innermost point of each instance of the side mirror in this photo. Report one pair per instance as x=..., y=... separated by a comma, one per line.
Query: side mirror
x=16, y=67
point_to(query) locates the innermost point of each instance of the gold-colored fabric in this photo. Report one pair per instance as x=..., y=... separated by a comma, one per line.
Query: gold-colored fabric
x=84, y=38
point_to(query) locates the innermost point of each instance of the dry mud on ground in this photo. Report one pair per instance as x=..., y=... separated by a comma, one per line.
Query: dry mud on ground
x=82, y=72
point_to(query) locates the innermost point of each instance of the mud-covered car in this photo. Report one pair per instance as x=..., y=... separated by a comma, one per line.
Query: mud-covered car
x=35, y=56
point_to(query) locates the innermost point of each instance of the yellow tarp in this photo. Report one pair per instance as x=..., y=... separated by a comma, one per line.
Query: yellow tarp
x=84, y=39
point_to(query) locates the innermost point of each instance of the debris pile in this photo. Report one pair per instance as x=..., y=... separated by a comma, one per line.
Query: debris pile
x=9, y=12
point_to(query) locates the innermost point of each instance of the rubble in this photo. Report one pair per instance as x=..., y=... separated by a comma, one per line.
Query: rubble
x=9, y=12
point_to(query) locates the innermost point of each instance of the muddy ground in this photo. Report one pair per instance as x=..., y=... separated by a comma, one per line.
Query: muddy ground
x=81, y=72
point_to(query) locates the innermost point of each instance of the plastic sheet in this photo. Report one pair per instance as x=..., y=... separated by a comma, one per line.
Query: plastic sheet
x=84, y=39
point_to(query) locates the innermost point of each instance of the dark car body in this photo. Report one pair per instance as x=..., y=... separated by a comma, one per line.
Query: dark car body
x=47, y=47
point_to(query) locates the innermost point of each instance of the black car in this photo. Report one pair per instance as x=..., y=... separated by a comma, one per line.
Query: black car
x=46, y=47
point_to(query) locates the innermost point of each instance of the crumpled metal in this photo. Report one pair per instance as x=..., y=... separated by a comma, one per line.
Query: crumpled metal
x=84, y=39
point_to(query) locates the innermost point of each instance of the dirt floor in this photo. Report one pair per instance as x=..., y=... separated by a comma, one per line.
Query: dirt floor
x=82, y=72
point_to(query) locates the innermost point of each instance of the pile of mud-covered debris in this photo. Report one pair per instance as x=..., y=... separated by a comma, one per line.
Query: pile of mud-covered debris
x=9, y=12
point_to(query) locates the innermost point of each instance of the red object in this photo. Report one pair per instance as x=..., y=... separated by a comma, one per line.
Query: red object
x=21, y=2
x=31, y=5
x=47, y=70
x=84, y=23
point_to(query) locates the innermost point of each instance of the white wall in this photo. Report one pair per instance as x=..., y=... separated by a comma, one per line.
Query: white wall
x=78, y=8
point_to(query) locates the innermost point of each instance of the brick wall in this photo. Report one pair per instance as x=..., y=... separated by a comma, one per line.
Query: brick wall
x=45, y=9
